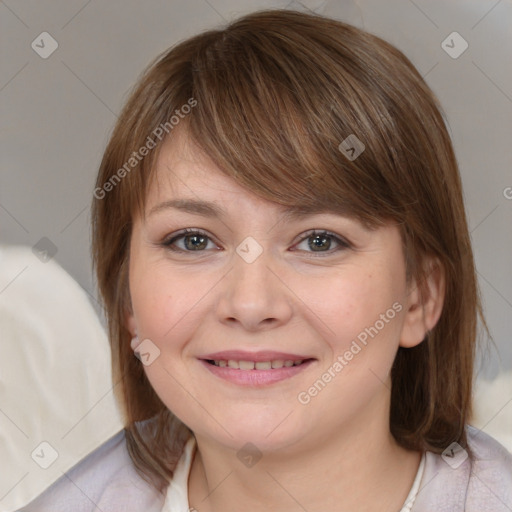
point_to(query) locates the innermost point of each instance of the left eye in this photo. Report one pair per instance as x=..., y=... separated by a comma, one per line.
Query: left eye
x=321, y=242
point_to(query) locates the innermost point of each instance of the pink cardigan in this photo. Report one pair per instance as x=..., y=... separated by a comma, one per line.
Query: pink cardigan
x=107, y=479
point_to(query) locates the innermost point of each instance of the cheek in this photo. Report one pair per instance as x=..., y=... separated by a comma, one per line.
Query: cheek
x=166, y=305
x=163, y=300
x=348, y=302
x=364, y=319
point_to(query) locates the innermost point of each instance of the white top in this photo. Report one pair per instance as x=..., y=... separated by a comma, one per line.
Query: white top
x=411, y=498
x=177, y=492
x=107, y=479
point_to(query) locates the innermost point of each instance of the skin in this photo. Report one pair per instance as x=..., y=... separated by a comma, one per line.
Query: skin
x=334, y=453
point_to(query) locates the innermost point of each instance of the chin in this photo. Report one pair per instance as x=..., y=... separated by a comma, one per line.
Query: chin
x=267, y=433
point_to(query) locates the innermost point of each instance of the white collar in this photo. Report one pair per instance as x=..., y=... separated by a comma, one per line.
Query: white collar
x=177, y=492
x=411, y=498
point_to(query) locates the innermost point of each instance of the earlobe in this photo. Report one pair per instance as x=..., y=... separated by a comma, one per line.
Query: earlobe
x=424, y=305
x=131, y=324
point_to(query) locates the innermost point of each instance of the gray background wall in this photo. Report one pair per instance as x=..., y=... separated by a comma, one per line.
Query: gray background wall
x=57, y=112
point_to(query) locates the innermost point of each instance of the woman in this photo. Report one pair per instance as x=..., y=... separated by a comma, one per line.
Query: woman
x=280, y=238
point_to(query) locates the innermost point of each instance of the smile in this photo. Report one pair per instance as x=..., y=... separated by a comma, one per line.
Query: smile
x=255, y=373
x=255, y=365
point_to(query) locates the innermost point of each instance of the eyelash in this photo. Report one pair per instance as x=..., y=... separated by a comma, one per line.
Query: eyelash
x=341, y=243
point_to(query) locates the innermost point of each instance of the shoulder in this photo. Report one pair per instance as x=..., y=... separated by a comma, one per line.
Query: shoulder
x=105, y=480
x=477, y=482
x=490, y=483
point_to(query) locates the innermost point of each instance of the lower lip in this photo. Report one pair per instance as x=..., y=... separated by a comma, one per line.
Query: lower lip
x=256, y=377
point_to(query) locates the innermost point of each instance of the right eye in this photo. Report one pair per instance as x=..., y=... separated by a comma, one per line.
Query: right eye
x=190, y=240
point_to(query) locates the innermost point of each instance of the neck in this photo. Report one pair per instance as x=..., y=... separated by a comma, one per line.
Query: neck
x=360, y=467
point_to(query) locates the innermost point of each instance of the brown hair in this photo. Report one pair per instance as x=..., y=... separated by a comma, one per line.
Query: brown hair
x=274, y=94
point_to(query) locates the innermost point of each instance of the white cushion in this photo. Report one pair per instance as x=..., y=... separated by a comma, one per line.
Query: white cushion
x=55, y=377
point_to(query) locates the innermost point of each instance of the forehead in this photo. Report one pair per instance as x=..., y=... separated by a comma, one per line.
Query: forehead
x=187, y=178
x=182, y=169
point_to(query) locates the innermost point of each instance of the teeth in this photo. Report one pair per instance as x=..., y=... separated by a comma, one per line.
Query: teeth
x=260, y=365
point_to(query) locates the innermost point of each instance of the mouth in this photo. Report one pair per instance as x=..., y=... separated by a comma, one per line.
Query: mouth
x=263, y=371
x=256, y=365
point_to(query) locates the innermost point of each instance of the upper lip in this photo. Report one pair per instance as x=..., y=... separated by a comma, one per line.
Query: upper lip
x=262, y=355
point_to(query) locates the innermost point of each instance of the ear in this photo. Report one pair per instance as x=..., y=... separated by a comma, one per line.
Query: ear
x=424, y=304
x=130, y=323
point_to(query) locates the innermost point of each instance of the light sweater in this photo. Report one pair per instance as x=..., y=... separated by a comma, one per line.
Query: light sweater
x=107, y=479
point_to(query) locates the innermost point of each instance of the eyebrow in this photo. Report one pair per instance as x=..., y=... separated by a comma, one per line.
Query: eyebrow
x=193, y=206
x=209, y=209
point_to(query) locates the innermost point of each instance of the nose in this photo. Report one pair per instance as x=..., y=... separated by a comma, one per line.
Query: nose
x=254, y=297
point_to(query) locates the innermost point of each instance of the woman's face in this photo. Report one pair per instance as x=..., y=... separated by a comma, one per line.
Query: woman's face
x=224, y=309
